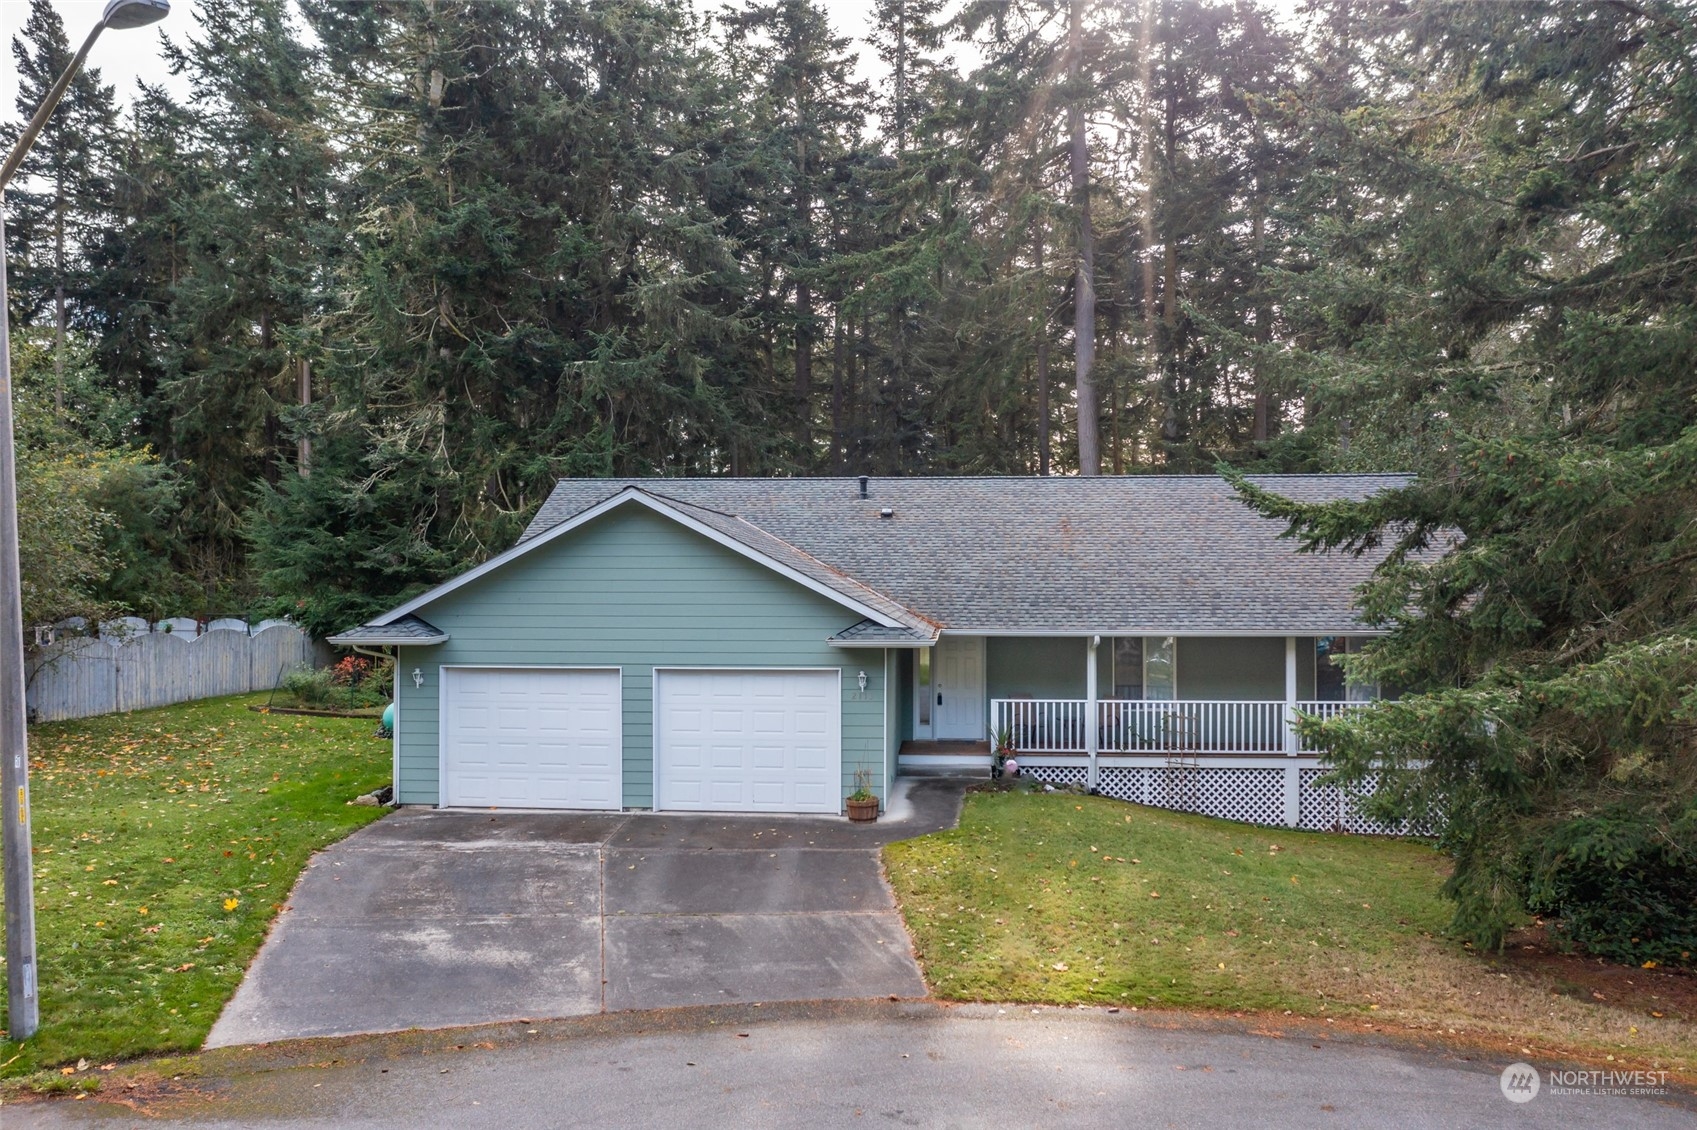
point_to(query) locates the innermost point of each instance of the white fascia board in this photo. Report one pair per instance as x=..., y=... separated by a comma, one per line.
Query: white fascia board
x=874, y=645
x=1259, y=633
x=637, y=495
x=396, y=641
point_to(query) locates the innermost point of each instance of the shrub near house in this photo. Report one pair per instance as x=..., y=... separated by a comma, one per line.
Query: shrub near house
x=353, y=683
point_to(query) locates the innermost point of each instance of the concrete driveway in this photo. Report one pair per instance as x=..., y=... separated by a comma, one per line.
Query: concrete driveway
x=428, y=919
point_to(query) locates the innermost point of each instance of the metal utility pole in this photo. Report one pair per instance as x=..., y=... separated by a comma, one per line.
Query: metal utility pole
x=23, y=1000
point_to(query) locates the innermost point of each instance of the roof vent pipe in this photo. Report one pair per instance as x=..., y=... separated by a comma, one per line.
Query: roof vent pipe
x=863, y=481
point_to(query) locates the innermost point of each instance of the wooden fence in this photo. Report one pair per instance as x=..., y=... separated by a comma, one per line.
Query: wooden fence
x=132, y=668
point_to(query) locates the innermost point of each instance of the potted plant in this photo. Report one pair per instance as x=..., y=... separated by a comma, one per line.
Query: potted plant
x=862, y=803
x=1003, y=751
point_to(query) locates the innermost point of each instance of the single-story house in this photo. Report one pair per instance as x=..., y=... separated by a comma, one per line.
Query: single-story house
x=763, y=645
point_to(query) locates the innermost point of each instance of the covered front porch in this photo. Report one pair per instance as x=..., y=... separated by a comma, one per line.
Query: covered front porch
x=1123, y=694
x=1200, y=723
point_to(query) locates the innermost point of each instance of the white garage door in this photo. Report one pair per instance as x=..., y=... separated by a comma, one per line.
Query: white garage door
x=531, y=738
x=748, y=741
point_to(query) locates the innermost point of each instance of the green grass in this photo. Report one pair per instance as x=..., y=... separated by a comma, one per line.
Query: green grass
x=165, y=843
x=1066, y=899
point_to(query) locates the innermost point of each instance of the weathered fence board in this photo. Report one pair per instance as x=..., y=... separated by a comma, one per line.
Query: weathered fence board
x=79, y=676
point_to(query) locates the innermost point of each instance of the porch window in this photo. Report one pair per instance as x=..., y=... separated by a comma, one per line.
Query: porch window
x=1331, y=684
x=1160, y=667
x=1128, y=667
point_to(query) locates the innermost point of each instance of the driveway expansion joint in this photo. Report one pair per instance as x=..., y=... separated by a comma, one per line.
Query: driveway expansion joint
x=430, y=919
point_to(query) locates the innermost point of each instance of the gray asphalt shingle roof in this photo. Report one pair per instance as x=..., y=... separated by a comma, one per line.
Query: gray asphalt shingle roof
x=408, y=629
x=1122, y=555
x=868, y=634
x=760, y=541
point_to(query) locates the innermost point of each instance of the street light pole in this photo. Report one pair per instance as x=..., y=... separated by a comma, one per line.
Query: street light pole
x=23, y=1001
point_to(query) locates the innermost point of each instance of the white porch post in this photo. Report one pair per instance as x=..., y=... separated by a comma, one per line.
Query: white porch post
x=1092, y=741
x=1293, y=772
x=1290, y=696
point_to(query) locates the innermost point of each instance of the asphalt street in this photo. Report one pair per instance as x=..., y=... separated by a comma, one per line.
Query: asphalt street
x=905, y=1064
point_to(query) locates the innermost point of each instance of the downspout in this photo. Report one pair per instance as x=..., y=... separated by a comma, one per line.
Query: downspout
x=1092, y=740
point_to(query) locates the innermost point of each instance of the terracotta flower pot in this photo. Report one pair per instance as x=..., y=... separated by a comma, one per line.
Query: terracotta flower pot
x=862, y=811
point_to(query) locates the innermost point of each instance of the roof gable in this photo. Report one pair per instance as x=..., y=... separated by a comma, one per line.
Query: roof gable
x=727, y=530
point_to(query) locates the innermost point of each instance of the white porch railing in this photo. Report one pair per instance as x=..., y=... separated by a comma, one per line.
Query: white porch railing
x=1057, y=725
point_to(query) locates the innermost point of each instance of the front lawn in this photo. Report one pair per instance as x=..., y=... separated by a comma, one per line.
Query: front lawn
x=1059, y=898
x=165, y=842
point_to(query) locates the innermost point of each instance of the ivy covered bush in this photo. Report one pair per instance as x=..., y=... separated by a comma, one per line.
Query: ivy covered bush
x=1621, y=884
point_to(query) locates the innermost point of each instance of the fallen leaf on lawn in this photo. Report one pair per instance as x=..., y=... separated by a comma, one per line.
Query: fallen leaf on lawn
x=1060, y=967
x=141, y=910
x=1648, y=965
x=82, y=1065
x=231, y=904
x=1154, y=894
x=1295, y=880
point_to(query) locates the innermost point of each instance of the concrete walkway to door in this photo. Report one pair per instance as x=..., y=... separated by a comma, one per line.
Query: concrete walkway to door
x=429, y=918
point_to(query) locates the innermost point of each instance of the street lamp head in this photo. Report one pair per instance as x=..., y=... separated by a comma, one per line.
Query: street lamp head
x=122, y=14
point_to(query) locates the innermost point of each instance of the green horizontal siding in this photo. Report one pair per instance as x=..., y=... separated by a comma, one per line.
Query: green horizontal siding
x=636, y=591
x=1209, y=667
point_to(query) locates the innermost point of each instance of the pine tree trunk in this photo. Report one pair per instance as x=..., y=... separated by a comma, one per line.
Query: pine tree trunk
x=1084, y=291
x=803, y=370
x=303, y=456
x=1172, y=422
x=1263, y=328
x=58, y=300
x=837, y=379
x=1043, y=425
x=1146, y=217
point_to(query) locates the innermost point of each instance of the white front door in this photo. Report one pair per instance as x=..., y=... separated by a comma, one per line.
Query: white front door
x=959, y=676
x=531, y=738
x=748, y=741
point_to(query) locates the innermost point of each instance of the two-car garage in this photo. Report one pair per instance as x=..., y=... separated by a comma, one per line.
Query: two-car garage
x=765, y=740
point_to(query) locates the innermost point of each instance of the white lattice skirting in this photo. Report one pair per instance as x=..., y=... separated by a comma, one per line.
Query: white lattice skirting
x=1273, y=791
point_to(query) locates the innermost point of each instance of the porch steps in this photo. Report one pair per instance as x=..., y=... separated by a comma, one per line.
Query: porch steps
x=944, y=759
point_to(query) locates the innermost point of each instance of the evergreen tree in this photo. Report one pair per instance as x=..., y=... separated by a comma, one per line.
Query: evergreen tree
x=1511, y=310
x=60, y=198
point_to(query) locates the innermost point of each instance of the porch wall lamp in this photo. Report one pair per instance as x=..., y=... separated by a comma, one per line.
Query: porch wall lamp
x=862, y=682
x=417, y=678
